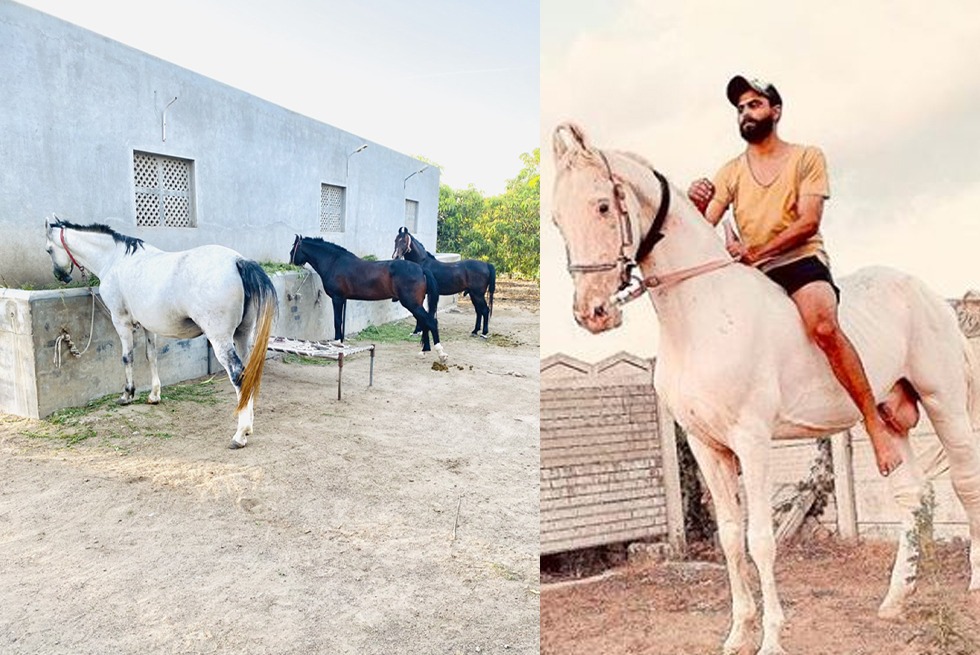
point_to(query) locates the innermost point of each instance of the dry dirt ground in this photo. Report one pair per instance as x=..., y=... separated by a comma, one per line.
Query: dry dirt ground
x=402, y=519
x=830, y=592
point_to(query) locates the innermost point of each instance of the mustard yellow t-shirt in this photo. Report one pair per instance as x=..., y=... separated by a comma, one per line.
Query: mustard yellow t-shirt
x=763, y=211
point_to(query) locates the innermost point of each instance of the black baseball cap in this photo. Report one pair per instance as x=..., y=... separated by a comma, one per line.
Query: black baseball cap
x=739, y=85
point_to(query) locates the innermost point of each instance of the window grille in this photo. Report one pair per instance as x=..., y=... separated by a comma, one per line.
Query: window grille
x=164, y=188
x=412, y=215
x=331, y=208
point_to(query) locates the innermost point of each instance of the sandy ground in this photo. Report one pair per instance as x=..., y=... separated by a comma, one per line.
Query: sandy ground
x=332, y=532
x=830, y=592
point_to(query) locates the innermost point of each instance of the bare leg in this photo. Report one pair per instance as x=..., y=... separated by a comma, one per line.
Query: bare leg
x=818, y=308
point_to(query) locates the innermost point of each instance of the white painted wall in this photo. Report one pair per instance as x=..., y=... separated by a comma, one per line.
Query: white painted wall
x=76, y=105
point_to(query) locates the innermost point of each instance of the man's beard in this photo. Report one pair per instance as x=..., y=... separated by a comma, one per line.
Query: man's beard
x=757, y=131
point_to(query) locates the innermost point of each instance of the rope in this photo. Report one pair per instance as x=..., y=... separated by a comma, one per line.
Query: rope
x=66, y=337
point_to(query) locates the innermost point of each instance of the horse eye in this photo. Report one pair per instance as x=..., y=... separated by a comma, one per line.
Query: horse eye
x=604, y=207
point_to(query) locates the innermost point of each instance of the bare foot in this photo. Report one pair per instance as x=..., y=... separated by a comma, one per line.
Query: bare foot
x=887, y=457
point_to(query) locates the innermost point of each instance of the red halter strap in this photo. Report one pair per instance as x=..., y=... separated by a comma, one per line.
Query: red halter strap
x=70, y=256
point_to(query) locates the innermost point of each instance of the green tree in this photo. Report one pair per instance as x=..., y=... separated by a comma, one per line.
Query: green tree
x=503, y=230
x=508, y=232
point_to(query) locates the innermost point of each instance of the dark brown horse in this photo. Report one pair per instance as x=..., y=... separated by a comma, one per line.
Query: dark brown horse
x=467, y=276
x=345, y=276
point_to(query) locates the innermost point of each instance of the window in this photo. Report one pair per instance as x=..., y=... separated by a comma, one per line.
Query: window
x=331, y=208
x=412, y=215
x=164, y=187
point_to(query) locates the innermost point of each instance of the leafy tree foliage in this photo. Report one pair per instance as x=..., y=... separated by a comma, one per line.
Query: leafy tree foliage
x=503, y=230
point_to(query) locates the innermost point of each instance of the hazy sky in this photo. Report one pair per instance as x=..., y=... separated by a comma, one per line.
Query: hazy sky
x=456, y=82
x=889, y=90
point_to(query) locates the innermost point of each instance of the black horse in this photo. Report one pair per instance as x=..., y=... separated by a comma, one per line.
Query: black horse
x=467, y=276
x=346, y=276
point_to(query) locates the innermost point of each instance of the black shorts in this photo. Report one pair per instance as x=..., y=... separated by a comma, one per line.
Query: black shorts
x=795, y=275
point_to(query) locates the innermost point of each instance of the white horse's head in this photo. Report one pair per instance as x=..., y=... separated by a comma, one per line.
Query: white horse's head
x=589, y=211
x=62, y=262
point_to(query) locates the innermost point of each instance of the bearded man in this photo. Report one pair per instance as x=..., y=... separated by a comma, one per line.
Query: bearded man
x=777, y=191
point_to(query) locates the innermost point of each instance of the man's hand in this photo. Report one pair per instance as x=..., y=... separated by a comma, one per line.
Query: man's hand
x=700, y=193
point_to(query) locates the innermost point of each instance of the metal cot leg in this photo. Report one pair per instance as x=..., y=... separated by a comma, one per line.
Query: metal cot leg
x=340, y=372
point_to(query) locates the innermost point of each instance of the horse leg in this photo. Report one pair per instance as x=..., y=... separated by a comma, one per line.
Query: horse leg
x=486, y=316
x=339, y=305
x=479, y=314
x=952, y=423
x=151, y=357
x=721, y=476
x=246, y=417
x=762, y=544
x=907, y=484
x=125, y=329
x=224, y=350
x=421, y=318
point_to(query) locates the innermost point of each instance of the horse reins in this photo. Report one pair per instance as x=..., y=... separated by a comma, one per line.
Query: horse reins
x=632, y=286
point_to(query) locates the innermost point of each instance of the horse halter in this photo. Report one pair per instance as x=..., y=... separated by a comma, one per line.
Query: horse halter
x=74, y=262
x=627, y=262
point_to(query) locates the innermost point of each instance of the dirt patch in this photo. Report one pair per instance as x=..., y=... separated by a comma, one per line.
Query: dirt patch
x=830, y=593
x=403, y=518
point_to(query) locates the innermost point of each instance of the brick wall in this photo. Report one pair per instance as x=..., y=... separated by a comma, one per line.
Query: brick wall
x=601, y=464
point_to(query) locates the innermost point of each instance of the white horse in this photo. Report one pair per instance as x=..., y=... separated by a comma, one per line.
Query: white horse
x=210, y=290
x=737, y=370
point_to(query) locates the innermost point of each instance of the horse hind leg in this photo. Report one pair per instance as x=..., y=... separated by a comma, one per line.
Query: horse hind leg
x=952, y=423
x=907, y=484
x=478, y=309
x=720, y=473
x=226, y=354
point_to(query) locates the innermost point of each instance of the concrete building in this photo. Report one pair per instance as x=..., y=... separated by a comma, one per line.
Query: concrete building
x=95, y=131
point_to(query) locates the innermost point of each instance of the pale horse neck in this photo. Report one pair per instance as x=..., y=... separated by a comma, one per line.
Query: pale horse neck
x=95, y=251
x=688, y=243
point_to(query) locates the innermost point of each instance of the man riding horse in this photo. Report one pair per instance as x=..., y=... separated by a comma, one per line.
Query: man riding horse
x=777, y=191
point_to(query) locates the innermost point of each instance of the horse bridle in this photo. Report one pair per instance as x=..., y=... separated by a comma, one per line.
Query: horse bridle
x=74, y=262
x=626, y=262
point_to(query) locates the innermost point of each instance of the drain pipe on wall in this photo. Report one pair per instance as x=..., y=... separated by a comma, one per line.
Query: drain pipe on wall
x=165, y=118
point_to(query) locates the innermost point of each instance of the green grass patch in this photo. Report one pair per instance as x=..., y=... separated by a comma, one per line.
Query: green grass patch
x=389, y=332
x=68, y=425
x=279, y=267
x=78, y=283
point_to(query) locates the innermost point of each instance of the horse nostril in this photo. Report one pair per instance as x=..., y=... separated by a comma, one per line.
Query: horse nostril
x=599, y=312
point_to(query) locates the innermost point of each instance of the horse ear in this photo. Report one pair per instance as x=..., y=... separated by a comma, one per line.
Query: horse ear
x=568, y=137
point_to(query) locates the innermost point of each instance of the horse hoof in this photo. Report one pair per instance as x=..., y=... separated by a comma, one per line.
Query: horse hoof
x=124, y=401
x=150, y=401
x=234, y=445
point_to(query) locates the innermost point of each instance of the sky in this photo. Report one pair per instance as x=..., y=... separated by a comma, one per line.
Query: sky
x=454, y=82
x=890, y=91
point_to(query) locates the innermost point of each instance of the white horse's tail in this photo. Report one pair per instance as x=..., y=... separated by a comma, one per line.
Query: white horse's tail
x=260, y=294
